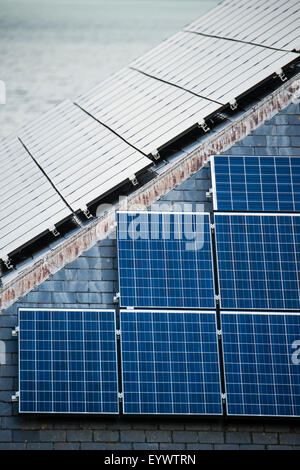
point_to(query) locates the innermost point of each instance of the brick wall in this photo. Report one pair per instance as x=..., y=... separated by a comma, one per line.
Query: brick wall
x=91, y=281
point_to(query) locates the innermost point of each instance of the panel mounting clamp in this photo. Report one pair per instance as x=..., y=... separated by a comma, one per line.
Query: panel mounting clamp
x=86, y=212
x=54, y=231
x=15, y=397
x=209, y=193
x=233, y=104
x=8, y=263
x=155, y=154
x=15, y=332
x=133, y=180
x=281, y=75
x=116, y=297
x=204, y=126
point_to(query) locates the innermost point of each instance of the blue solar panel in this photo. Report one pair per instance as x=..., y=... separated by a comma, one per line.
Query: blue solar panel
x=170, y=363
x=262, y=363
x=258, y=261
x=256, y=183
x=165, y=260
x=67, y=361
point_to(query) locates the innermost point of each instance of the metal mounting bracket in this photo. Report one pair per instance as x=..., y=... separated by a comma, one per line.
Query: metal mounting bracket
x=54, y=231
x=155, y=154
x=281, y=75
x=15, y=332
x=86, y=212
x=233, y=105
x=8, y=263
x=204, y=126
x=133, y=180
x=15, y=397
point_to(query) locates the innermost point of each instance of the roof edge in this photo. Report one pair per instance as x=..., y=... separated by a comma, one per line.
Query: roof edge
x=166, y=181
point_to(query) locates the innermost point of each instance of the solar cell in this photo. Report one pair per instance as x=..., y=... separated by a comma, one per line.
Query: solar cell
x=258, y=260
x=262, y=363
x=165, y=260
x=170, y=362
x=256, y=183
x=67, y=361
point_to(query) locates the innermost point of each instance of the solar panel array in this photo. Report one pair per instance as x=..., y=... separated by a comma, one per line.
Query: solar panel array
x=86, y=153
x=82, y=158
x=258, y=257
x=68, y=361
x=146, y=112
x=258, y=261
x=256, y=183
x=262, y=361
x=28, y=203
x=212, y=68
x=170, y=363
x=270, y=24
x=165, y=260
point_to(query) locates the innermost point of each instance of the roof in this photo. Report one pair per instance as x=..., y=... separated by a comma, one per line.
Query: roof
x=195, y=84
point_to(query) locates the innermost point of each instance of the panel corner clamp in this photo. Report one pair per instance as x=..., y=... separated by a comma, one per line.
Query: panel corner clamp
x=15, y=397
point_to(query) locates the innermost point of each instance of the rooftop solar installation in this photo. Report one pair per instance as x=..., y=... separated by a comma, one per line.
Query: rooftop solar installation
x=213, y=68
x=83, y=159
x=256, y=183
x=146, y=112
x=165, y=260
x=258, y=260
x=170, y=363
x=273, y=24
x=68, y=361
x=29, y=205
x=262, y=363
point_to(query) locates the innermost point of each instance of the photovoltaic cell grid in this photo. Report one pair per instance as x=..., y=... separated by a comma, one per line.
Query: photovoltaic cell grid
x=170, y=363
x=256, y=183
x=258, y=261
x=67, y=362
x=165, y=260
x=262, y=363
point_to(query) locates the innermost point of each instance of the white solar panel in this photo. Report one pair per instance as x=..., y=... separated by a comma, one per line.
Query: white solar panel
x=216, y=69
x=146, y=112
x=82, y=158
x=29, y=205
x=268, y=23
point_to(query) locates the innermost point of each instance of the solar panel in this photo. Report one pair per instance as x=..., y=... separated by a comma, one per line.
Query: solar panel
x=256, y=183
x=170, y=363
x=262, y=363
x=28, y=203
x=214, y=68
x=83, y=159
x=258, y=260
x=67, y=361
x=165, y=260
x=270, y=24
x=146, y=112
